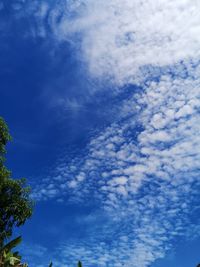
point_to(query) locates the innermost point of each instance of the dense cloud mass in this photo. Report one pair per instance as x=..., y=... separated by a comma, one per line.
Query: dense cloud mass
x=120, y=38
x=143, y=169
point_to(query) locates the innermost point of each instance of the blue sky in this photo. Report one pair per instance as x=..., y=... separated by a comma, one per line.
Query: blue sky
x=102, y=100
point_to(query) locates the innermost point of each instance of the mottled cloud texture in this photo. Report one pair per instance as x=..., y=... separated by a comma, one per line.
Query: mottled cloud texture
x=143, y=169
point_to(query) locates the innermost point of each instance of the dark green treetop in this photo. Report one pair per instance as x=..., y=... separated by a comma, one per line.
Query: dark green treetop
x=15, y=203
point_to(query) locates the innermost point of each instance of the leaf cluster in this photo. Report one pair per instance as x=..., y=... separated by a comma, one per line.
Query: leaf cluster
x=15, y=204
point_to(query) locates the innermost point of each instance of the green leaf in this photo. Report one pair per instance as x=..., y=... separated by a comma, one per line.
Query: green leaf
x=13, y=261
x=12, y=244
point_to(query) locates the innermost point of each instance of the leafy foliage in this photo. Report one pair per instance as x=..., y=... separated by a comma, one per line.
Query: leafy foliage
x=4, y=138
x=12, y=244
x=9, y=258
x=15, y=204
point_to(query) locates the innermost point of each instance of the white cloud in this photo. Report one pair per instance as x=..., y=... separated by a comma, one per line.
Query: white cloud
x=146, y=181
x=122, y=40
x=119, y=38
x=143, y=169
